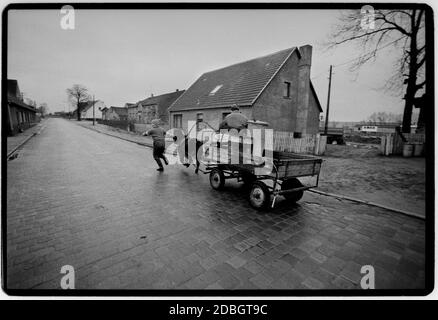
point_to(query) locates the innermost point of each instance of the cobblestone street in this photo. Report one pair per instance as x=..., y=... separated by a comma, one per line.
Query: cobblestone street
x=81, y=198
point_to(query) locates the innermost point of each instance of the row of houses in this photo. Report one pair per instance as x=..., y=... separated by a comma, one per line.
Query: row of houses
x=274, y=89
x=19, y=115
x=144, y=111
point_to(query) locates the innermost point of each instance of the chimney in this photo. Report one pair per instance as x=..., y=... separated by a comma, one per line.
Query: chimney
x=303, y=93
x=177, y=90
x=152, y=94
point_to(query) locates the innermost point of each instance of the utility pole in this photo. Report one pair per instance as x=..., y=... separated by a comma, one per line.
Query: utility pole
x=94, y=118
x=328, y=101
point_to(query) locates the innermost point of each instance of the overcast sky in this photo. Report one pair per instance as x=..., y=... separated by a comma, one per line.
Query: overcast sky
x=125, y=55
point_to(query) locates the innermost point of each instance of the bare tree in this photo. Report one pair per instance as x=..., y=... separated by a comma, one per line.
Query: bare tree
x=43, y=109
x=382, y=117
x=404, y=30
x=30, y=102
x=78, y=94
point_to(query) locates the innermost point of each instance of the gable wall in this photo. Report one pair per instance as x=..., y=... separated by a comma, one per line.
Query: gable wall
x=313, y=115
x=282, y=113
x=271, y=106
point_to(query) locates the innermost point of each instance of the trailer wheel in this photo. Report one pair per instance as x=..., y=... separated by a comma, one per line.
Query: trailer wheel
x=259, y=196
x=291, y=184
x=217, y=179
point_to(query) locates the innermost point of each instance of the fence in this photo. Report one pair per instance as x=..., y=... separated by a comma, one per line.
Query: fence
x=283, y=141
x=310, y=143
x=121, y=124
x=393, y=143
x=142, y=127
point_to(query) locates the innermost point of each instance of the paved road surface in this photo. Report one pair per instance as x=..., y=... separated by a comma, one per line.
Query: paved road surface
x=81, y=198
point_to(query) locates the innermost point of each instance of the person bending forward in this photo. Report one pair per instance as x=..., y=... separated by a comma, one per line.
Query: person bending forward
x=157, y=133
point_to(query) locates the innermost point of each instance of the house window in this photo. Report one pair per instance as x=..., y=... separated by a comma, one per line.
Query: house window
x=224, y=114
x=286, y=89
x=297, y=135
x=199, y=120
x=216, y=89
x=177, y=120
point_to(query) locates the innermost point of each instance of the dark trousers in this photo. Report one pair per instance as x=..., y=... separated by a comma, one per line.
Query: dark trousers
x=158, y=153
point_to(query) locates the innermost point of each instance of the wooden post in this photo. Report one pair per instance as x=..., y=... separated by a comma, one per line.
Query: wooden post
x=328, y=101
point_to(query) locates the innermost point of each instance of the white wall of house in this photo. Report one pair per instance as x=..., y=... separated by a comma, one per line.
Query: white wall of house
x=97, y=113
x=211, y=116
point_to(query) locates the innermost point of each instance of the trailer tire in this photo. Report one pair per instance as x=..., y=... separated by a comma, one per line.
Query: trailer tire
x=259, y=196
x=291, y=184
x=217, y=179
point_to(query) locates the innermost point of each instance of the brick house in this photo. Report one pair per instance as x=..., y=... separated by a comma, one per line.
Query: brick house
x=154, y=107
x=116, y=113
x=133, y=114
x=275, y=89
x=19, y=115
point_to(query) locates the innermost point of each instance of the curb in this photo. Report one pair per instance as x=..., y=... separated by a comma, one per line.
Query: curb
x=406, y=213
x=24, y=142
x=112, y=135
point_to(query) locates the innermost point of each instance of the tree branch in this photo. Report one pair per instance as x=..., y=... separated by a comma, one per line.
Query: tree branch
x=363, y=35
x=395, y=25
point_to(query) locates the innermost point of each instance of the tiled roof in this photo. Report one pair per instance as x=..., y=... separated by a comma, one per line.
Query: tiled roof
x=17, y=102
x=119, y=110
x=239, y=84
x=163, y=101
x=84, y=106
x=162, y=98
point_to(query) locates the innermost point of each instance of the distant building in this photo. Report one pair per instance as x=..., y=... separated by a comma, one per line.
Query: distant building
x=133, y=114
x=154, y=107
x=88, y=113
x=116, y=113
x=275, y=89
x=378, y=127
x=20, y=115
x=104, y=111
x=87, y=110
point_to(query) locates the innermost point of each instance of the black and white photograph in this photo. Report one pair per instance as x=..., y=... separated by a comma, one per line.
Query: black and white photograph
x=217, y=149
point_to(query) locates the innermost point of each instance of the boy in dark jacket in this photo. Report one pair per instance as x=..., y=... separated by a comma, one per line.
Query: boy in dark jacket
x=157, y=133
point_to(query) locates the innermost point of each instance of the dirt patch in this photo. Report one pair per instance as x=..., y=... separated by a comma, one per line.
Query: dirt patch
x=360, y=171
